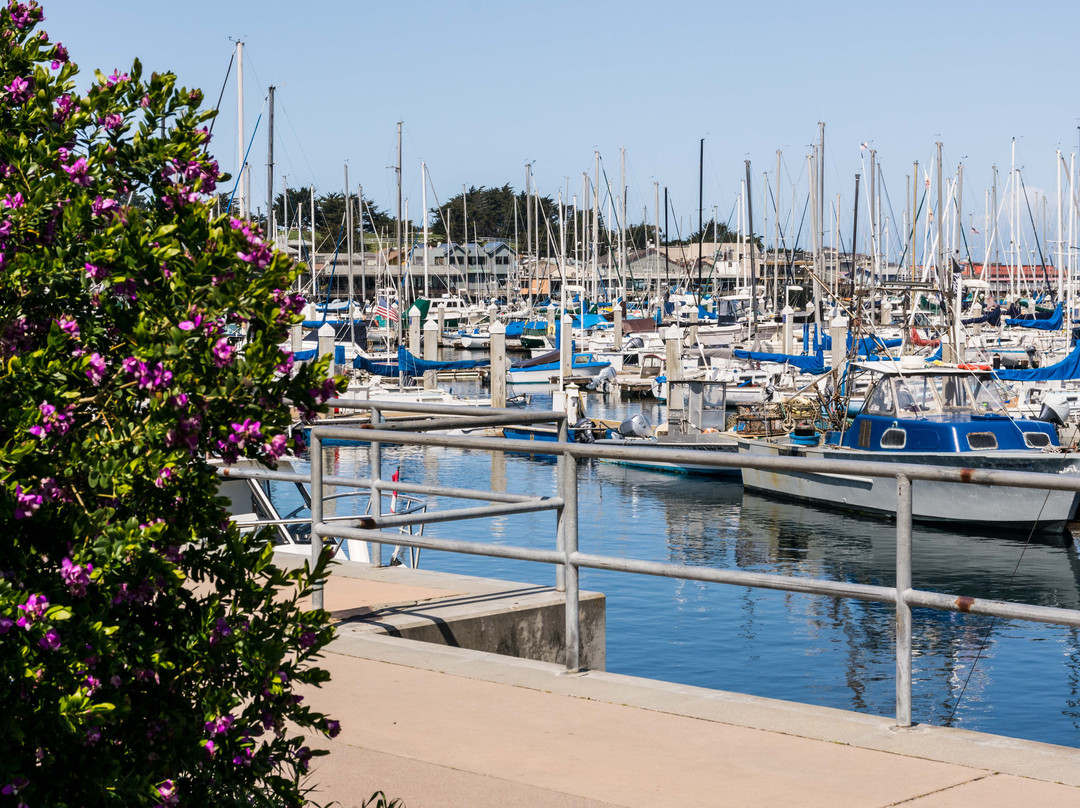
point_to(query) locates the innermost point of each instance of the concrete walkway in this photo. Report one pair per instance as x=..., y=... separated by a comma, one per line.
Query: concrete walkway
x=446, y=727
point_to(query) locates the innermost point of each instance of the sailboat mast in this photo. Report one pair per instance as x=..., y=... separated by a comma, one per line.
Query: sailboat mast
x=400, y=246
x=271, y=229
x=242, y=202
x=750, y=227
x=423, y=203
x=348, y=236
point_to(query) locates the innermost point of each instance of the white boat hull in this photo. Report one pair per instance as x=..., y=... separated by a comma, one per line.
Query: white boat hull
x=995, y=507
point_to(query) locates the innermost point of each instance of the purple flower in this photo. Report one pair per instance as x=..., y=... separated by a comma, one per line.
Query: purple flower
x=26, y=503
x=333, y=728
x=163, y=477
x=101, y=206
x=276, y=447
x=68, y=326
x=116, y=78
x=65, y=104
x=14, y=201
x=190, y=325
x=243, y=758
x=5, y=624
x=168, y=793
x=51, y=640
x=286, y=365
x=209, y=747
x=96, y=371
x=303, y=757
x=60, y=56
x=77, y=171
x=18, y=91
x=221, y=630
x=51, y=419
x=34, y=609
x=223, y=352
x=75, y=576
x=248, y=431
x=96, y=273
x=15, y=786
x=93, y=735
x=219, y=725
x=113, y=120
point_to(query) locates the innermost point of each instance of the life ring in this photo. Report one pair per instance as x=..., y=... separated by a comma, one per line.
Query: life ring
x=973, y=367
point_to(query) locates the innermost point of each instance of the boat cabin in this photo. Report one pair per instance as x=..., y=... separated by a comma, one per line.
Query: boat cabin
x=938, y=409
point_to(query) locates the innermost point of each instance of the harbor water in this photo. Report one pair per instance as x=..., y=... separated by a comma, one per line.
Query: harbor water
x=1007, y=677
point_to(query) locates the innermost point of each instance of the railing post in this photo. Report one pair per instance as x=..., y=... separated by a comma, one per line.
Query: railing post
x=560, y=529
x=315, y=447
x=374, y=548
x=903, y=610
x=570, y=570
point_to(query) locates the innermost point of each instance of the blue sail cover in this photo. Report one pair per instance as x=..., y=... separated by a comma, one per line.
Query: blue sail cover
x=1067, y=368
x=1052, y=323
x=807, y=364
x=868, y=346
x=409, y=365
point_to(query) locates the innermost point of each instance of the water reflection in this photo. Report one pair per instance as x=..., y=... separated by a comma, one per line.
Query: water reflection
x=840, y=652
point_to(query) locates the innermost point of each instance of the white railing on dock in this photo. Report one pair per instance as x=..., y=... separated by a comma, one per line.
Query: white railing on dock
x=566, y=556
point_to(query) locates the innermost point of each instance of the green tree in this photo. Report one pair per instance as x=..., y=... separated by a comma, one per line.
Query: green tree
x=491, y=215
x=149, y=652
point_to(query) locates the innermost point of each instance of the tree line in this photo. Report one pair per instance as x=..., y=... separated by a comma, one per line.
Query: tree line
x=476, y=214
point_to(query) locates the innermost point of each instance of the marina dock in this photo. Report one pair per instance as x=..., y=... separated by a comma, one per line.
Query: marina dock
x=442, y=726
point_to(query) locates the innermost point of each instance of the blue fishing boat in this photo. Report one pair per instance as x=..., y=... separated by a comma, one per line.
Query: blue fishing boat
x=932, y=415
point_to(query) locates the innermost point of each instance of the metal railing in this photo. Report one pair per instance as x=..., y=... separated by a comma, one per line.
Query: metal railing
x=569, y=559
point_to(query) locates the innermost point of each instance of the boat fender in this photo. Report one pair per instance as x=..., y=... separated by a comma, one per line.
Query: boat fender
x=973, y=367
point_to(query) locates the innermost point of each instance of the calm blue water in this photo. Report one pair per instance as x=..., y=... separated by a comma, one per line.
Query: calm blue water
x=835, y=653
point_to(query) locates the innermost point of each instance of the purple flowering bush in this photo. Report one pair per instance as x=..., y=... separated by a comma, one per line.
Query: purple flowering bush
x=149, y=653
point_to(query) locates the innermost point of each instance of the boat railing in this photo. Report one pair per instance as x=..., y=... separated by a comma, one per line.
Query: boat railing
x=565, y=553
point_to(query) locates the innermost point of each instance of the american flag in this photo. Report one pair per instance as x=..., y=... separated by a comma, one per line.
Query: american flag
x=383, y=310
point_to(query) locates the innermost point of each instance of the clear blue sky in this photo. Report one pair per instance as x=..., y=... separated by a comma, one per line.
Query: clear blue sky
x=484, y=87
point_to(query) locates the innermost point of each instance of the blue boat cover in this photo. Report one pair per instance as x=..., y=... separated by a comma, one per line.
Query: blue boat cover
x=1052, y=323
x=1067, y=368
x=868, y=346
x=409, y=365
x=807, y=364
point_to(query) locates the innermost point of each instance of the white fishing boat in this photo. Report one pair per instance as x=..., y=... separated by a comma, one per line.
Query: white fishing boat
x=931, y=415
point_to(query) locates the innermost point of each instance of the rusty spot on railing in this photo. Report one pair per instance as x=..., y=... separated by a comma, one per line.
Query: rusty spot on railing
x=964, y=603
x=966, y=475
x=367, y=523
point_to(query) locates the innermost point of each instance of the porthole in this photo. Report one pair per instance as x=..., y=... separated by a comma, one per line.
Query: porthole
x=1037, y=440
x=982, y=440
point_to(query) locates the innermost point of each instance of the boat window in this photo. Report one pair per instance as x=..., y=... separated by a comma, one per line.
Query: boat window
x=953, y=392
x=881, y=401
x=894, y=439
x=917, y=396
x=985, y=395
x=982, y=440
x=1037, y=440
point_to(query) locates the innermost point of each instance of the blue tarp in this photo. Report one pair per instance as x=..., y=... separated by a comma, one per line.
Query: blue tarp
x=1052, y=323
x=1067, y=368
x=807, y=364
x=409, y=365
x=868, y=346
